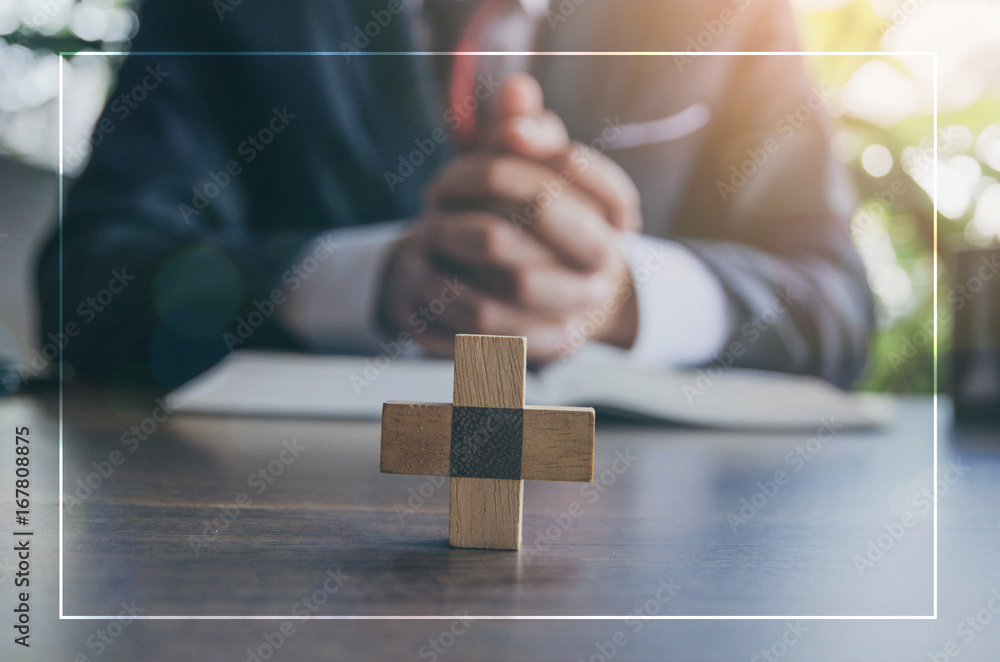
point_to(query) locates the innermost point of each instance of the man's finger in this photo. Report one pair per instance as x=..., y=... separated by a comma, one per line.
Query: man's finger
x=520, y=94
x=550, y=290
x=520, y=122
x=544, y=139
x=604, y=180
x=475, y=176
x=482, y=239
x=437, y=343
x=531, y=195
x=479, y=312
x=537, y=137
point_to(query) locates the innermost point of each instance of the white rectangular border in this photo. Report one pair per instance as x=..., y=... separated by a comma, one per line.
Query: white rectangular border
x=934, y=136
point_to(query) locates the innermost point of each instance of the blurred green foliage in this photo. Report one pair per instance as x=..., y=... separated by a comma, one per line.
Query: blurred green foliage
x=896, y=210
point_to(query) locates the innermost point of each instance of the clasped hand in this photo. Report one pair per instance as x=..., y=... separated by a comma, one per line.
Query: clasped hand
x=530, y=223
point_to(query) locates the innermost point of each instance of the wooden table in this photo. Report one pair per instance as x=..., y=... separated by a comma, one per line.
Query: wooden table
x=229, y=517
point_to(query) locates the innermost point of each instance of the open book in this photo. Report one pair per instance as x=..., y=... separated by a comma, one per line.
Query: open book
x=254, y=383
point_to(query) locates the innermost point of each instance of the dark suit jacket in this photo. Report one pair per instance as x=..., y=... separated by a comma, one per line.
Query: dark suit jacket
x=202, y=244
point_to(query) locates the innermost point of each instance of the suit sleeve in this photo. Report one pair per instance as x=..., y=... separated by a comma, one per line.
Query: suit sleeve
x=187, y=272
x=769, y=213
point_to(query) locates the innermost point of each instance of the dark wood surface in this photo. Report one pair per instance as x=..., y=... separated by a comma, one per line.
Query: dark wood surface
x=155, y=531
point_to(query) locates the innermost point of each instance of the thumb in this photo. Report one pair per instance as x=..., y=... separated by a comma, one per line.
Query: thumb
x=520, y=94
x=522, y=125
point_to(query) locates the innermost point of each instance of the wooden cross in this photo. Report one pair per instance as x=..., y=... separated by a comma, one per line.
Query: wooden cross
x=488, y=442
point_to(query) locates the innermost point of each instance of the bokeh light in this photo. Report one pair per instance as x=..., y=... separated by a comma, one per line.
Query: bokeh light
x=31, y=34
x=877, y=160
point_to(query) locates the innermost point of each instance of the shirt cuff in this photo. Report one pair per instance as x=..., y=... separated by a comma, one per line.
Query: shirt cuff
x=684, y=314
x=335, y=306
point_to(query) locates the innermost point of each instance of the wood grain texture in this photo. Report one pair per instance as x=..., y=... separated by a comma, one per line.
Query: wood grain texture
x=558, y=444
x=663, y=516
x=489, y=371
x=485, y=513
x=416, y=438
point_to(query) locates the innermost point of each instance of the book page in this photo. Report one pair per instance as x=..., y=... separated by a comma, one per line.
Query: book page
x=260, y=383
x=737, y=399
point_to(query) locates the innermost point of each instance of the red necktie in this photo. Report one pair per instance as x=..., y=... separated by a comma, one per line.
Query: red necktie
x=465, y=65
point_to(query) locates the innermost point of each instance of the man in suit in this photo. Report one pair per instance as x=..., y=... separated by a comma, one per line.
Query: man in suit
x=264, y=191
